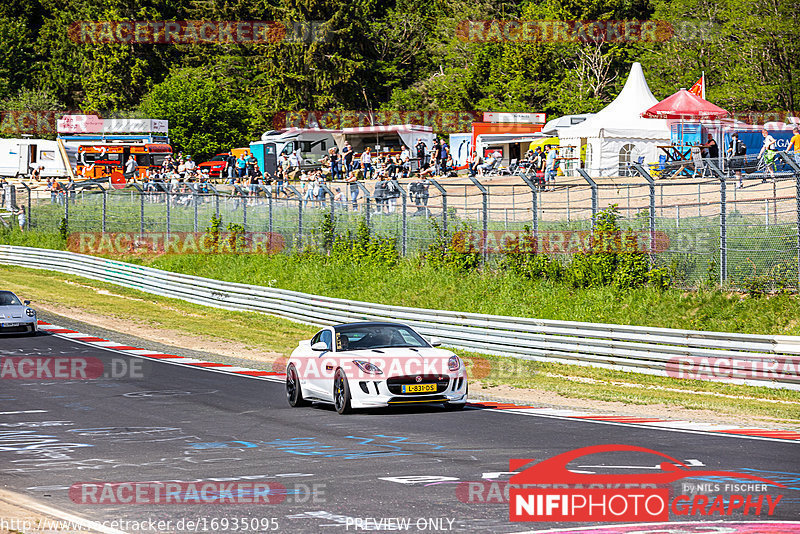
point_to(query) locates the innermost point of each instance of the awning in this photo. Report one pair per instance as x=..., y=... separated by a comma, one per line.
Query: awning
x=392, y=128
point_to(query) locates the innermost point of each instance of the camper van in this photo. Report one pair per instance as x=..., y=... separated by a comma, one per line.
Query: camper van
x=310, y=145
x=19, y=157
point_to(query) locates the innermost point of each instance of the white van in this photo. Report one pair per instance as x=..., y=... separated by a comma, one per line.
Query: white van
x=19, y=158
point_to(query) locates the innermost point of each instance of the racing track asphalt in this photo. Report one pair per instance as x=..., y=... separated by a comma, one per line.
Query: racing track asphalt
x=190, y=424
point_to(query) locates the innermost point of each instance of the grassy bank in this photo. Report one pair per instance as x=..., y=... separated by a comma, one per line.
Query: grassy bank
x=414, y=283
x=274, y=334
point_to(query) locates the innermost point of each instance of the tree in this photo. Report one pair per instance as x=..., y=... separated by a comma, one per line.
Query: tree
x=206, y=115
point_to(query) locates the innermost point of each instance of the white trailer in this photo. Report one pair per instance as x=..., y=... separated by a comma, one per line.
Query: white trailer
x=20, y=157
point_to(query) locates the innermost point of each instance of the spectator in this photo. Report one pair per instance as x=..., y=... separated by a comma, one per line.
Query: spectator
x=252, y=162
x=421, y=148
x=475, y=163
x=392, y=194
x=230, y=167
x=292, y=162
x=768, y=152
x=23, y=221
x=333, y=156
x=59, y=192
x=710, y=148
x=366, y=163
x=130, y=168
x=736, y=152
x=37, y=173
x=52, y=191
x=338, y=198
x=444, y=151
x=405, y=161
x=551, y=164
x=380, y=194
x=241, y=166
x=191, y=166
x=347, y=156
x=352, y=179
x=794, y=144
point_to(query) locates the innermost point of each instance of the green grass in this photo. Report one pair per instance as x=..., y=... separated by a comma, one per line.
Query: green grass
x=492, y=291
x=256, y=330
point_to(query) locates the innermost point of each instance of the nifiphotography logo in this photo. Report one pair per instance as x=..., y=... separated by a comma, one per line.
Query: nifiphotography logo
x=547, y=491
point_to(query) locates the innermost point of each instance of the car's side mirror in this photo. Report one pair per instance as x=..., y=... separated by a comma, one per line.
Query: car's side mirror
x=26, y=302
x=435, y=342
x=319, y=346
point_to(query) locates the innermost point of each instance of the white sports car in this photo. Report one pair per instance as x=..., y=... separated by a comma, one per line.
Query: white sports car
x=15, y=316
x=371, y=365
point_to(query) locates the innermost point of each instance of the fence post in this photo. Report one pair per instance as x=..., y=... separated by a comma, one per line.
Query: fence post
x=485, y=206
x=593, y=186
x=367, y=197
x=723, y=234
x=443, y=192
x=194, y=201
x=30, y=213
x=404, y=197
x=105, y=202
x=652, y=216
x=796, y=169
x=169, y=202
x=534, y=207
x=294, y=190
x=141, y=207
x=723, y=222
x=66, y=209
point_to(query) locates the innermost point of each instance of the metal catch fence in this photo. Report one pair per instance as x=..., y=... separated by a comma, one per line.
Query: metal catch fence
x=735, y=226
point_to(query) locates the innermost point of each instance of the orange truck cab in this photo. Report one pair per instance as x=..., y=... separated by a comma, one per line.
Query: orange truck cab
x=108, y=160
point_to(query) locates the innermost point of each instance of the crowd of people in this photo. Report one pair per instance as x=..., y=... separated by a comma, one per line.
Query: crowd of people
x=541, y=163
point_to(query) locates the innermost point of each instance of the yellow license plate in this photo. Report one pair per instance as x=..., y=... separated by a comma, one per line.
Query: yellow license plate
x=419, y=388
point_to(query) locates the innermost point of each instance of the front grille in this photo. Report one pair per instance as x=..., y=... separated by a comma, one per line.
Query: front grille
x=408, y=399
x=395, y=383
x=16, y=329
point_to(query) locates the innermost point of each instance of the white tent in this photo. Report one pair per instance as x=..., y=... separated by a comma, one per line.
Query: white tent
x=617, y=135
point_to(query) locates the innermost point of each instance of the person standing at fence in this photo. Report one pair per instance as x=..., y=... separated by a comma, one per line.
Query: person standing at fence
x=420, y=147
x=550, y=165
x=352, y=179
x=366, y=163
x=23, y=221
x=347, y=158
x=241, y=166
x=736, y=153
x=768, y=153
x=794, y=144
x=130, y=168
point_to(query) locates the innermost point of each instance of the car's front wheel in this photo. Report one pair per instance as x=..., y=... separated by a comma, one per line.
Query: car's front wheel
x=341, y=393
x=293, y=392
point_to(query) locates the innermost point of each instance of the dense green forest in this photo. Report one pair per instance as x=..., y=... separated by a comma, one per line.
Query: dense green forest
x=385, y=54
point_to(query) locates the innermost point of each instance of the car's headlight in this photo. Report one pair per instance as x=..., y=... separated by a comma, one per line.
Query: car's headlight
x=368, y=368
x=30, y=312
x=454, y=363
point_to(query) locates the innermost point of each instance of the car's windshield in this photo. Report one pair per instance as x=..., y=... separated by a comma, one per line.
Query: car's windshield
x=7, y=298
x=219, y=157
x=357, y=337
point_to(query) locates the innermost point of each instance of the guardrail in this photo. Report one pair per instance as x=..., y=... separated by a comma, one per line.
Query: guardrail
x=763, y=360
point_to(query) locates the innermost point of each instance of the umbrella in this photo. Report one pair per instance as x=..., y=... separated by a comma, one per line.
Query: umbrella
x=685, y=105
